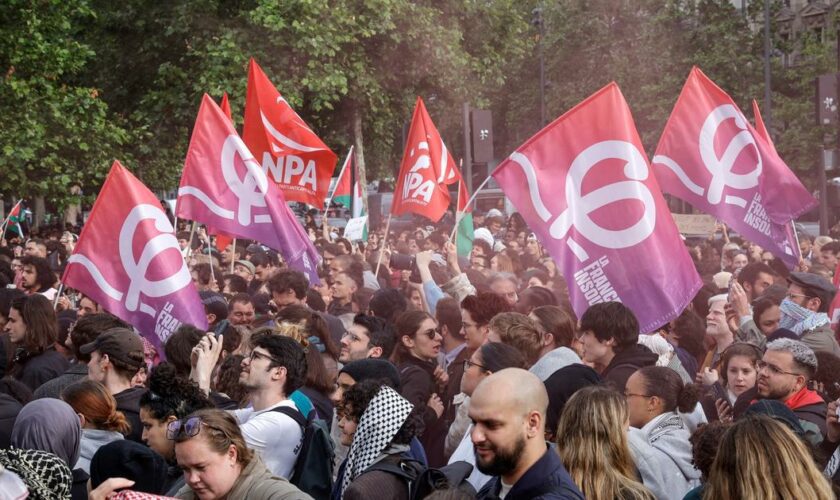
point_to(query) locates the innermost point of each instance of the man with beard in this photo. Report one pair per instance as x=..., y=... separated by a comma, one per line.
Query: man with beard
x=275, y=369
x=508, y=409
x=37, y=276
x=783, y=375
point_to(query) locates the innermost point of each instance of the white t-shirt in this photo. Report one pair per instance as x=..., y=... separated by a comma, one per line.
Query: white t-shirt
x=276, y=437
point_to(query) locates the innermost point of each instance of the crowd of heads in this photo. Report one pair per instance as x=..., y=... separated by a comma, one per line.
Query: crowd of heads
x=412, y=351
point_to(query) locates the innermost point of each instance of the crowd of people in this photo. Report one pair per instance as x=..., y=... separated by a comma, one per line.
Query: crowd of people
x=413, y=372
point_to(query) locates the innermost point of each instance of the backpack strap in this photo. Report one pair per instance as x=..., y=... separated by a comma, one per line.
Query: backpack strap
x=292, y=413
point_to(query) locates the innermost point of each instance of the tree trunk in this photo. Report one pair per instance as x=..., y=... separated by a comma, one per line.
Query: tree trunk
x=40, y=210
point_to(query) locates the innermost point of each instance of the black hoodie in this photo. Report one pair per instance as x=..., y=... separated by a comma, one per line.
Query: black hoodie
x=625, y=363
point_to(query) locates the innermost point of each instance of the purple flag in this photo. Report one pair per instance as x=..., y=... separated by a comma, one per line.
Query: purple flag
x=224, y=186
x=584, y=185
x=710, y=156
x=128, y=261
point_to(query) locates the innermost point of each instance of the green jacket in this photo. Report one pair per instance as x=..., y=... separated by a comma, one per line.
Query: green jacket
x=256, y=483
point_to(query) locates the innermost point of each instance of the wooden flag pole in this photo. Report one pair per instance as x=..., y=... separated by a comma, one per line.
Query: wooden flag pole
x=382, y=246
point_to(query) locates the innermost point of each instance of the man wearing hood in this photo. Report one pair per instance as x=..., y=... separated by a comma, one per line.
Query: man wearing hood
x=609, y=332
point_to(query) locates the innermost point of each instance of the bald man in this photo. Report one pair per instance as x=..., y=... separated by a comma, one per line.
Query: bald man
x=508, y=410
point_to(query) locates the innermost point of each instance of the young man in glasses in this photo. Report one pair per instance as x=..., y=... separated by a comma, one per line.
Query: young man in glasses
x=275, y=369
x=783, y=375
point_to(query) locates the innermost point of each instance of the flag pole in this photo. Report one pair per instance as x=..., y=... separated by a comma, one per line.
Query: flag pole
x=382, y=246
x=340, y=174
x=210, y=258
x=796, y=237
x=58, y=295
x=457, y=219
x=232, y=261
x=189, y=245
x=469, y=202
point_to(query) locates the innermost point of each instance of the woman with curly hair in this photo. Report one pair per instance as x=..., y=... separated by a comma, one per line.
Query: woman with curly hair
x=377, y=424
x=592, y=443
x=168, y=399
x=761, y=458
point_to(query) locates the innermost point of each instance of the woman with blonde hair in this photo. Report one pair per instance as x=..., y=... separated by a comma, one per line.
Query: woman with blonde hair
x=760, y=458
x=100, y=420
x=592, y=443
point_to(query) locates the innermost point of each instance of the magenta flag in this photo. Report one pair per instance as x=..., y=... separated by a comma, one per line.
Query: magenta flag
x=223, y=186
x=710, y=156
x=128, y=260
x=584, y=185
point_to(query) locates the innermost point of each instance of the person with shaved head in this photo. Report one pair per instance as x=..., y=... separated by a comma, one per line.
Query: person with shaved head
x=508, y=409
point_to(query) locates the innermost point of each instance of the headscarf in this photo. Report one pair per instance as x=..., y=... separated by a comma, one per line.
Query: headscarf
x=49, y=425
x=132, y=461
x=378, y=425
x=46, y=475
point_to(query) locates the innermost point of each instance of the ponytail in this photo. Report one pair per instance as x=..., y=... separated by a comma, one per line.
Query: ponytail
x=666, y=384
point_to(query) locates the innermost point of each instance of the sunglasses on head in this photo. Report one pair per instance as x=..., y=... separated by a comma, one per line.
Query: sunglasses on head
x=189, y=427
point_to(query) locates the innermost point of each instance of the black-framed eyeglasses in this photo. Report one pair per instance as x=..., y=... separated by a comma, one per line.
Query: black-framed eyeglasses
x=468, y=363
x=189, y=427
x=775, y=370
x=255, y=354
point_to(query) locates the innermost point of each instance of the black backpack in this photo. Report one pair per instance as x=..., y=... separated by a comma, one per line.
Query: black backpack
x=422, y=481
x=313, y=470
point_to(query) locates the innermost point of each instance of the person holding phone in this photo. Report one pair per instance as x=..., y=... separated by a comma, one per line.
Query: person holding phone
x=734, y=381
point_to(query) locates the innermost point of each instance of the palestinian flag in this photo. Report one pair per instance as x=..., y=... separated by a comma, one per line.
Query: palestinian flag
x=342, y=193
x=350, y=198
x=464, y=237
x=15, y=219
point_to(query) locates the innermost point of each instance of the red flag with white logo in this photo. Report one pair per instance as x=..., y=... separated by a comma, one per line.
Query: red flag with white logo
x=288, y=150
x=426, y=169
x=712, y=157
x=128, y=260
x=584, y=185
x=223, y=186
x=222, y=240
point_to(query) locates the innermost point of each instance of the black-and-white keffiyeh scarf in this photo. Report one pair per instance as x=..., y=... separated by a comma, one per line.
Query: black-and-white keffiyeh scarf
x=46, y=475
x=378, y=425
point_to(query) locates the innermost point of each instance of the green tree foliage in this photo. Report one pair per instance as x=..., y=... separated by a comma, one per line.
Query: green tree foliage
x=87, y=81
x=56, y=130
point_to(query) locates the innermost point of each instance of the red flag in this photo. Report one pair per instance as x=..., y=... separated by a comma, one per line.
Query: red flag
x=224, y=186
x=128, y=260
x=426, y=169
x=296, y=159
x=225, y=105
x=583, y=184
x=761, y=130
x=222, y=239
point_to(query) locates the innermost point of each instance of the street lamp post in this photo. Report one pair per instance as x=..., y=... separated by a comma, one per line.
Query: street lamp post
x=537, y=20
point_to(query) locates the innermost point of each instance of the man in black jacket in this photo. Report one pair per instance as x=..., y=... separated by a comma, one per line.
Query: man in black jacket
x=609, y=332
x=508, y=410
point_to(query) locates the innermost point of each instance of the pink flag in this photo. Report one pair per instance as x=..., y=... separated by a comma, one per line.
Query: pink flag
x=710, y=156
x=584, y=185
x=224, y=186
x=127, y=259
